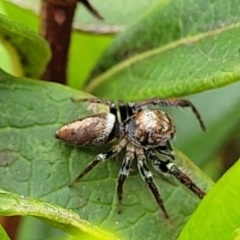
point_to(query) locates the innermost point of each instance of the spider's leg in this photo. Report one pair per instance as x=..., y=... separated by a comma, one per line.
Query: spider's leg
x=99, y=158
x=95, y=100
x=125, y=110
x=111, y=105
x=147, y=177
x=169, y=167
x=169, y=102
x=166, y=150
x=124, y=171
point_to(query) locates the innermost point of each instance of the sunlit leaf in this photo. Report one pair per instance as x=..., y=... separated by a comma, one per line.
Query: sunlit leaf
x=28, y=51
x=3, y=234
x=218, y=215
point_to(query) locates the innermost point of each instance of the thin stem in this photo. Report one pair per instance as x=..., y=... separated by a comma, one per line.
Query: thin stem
x=56, y=25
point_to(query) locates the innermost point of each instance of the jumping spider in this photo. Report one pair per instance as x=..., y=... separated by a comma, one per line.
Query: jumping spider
x=143, y=131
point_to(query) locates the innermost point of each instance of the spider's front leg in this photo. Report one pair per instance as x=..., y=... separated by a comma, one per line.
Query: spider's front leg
x=171, y=168
x=147, y=177
x=169, y=102
x=99, y=158
x=103, y=101
x=95, y=100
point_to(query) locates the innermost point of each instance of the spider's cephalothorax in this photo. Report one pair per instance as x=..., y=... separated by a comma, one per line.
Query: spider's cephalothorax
x=149, y=128
x=143, y=131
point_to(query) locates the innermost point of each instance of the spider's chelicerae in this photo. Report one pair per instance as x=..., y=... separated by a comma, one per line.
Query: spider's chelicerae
x=142, y=131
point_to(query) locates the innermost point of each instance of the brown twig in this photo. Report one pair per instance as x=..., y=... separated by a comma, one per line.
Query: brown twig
x=56, y=25
x=11, y=225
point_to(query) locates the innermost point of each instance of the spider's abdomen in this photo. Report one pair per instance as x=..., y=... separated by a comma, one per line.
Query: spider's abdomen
x=91, y=131
x=149, y=128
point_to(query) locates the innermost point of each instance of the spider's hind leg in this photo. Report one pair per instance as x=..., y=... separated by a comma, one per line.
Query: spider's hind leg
x=171, y=168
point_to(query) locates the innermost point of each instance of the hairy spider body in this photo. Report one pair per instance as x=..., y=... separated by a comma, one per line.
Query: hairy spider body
x=96, y=130
x=142, y=131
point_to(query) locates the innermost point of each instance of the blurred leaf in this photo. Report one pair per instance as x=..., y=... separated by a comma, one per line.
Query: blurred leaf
x=178, y=48
x=35, y=164
x=39, y=230
x=84, y=52
x=116, y=14
x=29, y=52
x=13, y=204
x=3, y=234
x=218, y=215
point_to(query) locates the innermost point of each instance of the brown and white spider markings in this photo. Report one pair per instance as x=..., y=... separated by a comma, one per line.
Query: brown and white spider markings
x=143, y=131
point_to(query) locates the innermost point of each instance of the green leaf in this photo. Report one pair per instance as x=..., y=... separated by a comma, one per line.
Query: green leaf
x=29, y=52
x=177, y=48
x=218, y=215
x=3, y=234
x=187, y=66
x=168, y=22
x=35, y=164
x=13, y=204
